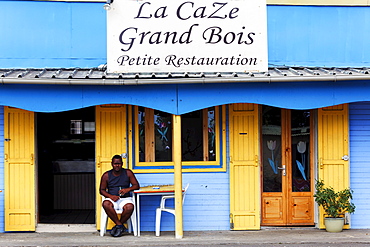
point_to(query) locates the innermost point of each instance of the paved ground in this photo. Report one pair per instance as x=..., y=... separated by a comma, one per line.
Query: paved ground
x=266, y=237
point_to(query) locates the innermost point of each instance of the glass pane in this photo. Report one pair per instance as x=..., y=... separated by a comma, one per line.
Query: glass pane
x=192, y=136
x=76, y=127
x=271, y=147
x=162, y=132
x=141, y=122
x=195, y=127
x=211, y=134
x=163, y=136
x=300, y=150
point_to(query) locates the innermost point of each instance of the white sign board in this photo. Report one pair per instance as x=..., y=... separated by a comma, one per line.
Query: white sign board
x=186, y=36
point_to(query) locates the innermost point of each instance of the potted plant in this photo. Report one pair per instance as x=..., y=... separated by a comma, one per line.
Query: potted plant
x=335, y=205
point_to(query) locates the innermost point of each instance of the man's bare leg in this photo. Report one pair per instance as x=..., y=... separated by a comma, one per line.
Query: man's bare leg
x=127, y=212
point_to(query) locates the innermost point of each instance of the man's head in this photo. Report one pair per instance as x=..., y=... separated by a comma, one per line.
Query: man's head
x=117, y=163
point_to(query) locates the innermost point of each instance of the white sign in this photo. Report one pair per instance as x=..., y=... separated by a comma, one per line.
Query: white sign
x=187, y=36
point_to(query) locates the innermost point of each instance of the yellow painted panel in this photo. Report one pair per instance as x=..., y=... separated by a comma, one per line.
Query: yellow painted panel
x=15, y=218
x=110, y=140
x=19, y=170
x=245, y=219
x=244, y=167
x=243, y=107
x=333, y=134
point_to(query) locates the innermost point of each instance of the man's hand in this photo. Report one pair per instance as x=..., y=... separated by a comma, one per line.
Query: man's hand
x=124, y=191
x=114, y=198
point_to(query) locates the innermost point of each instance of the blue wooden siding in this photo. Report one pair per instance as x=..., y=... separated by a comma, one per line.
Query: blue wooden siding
x=360, y=162
x=318, y=36
x=2, y=193
x=206, y=204
x=52, y=34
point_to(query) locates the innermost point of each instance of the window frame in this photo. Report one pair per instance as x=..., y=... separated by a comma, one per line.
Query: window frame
x=219, y=165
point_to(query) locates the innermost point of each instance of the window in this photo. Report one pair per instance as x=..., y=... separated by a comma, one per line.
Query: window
x=201, y=140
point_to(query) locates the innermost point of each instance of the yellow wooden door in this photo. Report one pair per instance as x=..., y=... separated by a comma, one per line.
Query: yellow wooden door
x=244, y=167
x=333, y=151
x=19, y=170
x=110, y=140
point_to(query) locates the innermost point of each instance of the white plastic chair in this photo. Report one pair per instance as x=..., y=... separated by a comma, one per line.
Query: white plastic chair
x=131, y=223
x=163, y=208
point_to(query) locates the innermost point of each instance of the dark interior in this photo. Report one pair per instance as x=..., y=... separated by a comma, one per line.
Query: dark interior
x=66, y=167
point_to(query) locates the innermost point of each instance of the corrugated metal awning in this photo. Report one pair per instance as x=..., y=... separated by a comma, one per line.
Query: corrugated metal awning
x=98, y=76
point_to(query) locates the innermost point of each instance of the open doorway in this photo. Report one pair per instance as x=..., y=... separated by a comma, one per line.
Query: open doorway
x=66, y=167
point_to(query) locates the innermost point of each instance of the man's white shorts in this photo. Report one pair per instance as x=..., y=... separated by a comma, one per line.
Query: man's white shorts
x=118, y=205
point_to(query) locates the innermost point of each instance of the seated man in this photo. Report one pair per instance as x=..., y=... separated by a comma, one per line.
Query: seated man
x=115, y=187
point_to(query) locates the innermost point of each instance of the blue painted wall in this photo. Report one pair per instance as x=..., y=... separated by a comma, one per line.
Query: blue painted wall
x=318, y=36
x=206, y=205
x=60, y=34
x=360, y=162
x=52, y=34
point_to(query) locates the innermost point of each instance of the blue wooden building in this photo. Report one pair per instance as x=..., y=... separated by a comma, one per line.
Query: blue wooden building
x=252, y=144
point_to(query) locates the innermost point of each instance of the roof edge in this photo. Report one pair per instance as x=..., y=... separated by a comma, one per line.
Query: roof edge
x=130, y=82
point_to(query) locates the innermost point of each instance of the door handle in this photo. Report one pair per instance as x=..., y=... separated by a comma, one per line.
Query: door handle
x=345, y=158
x=282, y=168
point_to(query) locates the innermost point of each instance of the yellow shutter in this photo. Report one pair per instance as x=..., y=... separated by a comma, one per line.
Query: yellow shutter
x=244, y=167
x=19, y=170
x=333, y=148
x=110, y=140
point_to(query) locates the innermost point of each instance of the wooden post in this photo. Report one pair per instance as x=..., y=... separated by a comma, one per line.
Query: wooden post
x=177, y=175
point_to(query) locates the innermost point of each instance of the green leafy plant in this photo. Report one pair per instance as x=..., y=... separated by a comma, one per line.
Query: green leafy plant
x=334, y=203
